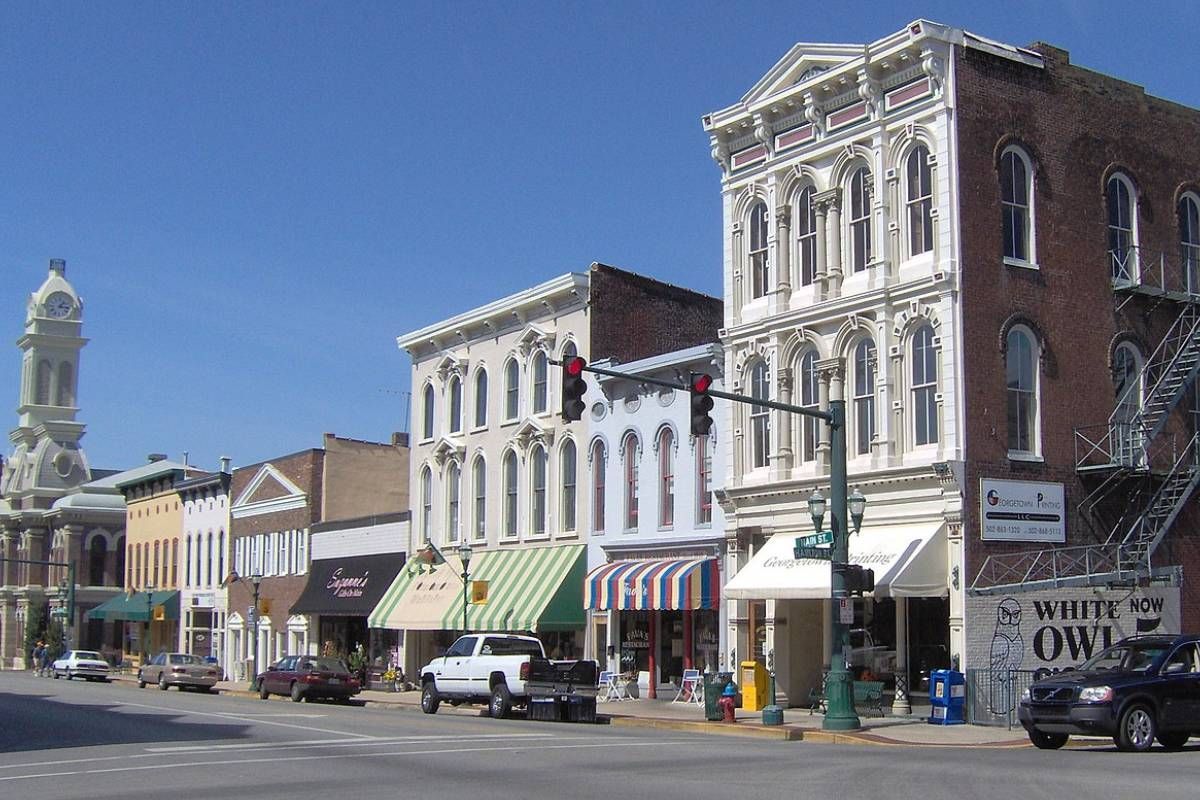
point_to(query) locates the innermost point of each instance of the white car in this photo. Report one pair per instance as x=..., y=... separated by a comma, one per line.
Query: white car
x=81, y=664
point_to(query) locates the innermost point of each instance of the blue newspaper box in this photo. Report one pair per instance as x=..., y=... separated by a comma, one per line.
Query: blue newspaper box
x=948, y=697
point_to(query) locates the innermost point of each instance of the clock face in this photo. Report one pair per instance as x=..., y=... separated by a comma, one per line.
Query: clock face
x=58, y=305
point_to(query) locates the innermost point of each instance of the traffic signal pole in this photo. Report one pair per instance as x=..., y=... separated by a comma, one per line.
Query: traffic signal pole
x=839, y=690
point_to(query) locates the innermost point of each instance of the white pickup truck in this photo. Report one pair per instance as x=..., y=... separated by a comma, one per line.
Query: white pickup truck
x=490, y=667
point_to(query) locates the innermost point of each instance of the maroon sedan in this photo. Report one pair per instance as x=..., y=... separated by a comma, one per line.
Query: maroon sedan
x=308, y=677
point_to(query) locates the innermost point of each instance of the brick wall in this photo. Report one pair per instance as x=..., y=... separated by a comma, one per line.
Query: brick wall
x=633, y=316
x=1076, y=125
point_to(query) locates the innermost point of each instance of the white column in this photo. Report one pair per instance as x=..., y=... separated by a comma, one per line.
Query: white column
x=900, y=703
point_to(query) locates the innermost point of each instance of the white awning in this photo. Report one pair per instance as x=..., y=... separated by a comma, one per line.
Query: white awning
x=908, y=560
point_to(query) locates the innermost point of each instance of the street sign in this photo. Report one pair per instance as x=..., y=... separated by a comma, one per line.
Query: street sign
x=812, y=552
x=845, y=611
x=823, y=537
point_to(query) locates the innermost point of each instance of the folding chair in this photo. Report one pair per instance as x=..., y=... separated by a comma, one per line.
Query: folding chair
x=690, y=689
x=610, y=689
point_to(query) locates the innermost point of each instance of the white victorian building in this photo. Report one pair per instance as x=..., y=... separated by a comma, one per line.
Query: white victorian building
x=840, y=279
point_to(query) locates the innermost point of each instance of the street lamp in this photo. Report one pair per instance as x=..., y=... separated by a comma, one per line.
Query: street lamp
x=464, y=552
x=149, y=617
x=255, y=579
x=858, y=505
x=816, y=508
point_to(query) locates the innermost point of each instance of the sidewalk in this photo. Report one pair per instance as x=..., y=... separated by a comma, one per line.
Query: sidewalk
x=798, y=725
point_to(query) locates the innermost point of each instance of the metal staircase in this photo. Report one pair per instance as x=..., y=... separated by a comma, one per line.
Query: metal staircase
x=1146, y=477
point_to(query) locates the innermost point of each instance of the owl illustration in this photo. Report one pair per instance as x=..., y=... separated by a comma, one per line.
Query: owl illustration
x=1008, y=651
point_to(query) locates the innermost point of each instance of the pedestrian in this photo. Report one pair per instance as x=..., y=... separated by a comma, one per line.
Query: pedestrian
x=39, y=650
x=46, y=662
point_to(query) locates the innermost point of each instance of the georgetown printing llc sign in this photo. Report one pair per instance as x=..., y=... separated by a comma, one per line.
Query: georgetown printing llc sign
x=1022, y=511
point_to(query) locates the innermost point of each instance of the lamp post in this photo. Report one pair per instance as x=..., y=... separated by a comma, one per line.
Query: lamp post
x=255, y=580
x=839, y=691
x=464, y=553
x=149, y=618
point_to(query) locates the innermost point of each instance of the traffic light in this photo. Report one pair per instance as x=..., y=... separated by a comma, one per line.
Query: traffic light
x=857, y=579
x=701, y=403
x=573, y=389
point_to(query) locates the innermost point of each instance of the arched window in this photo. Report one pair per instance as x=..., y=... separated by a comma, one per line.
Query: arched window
x=810, y=398
x=119, y=552
x=481, y=398
x=187, y=560
x=510, y=494
x=864, y=396
x=567, y=458
x=174, y=562
x=759, y=262
x=540, y=381
x=569, y=352
x=666, y=478
x=455, y=411
x=427, y=410
x=426, y=504
x=453, y=501
x=1021, y=379
x=760, y=417
x=512, y=389
x=479, y=498
x=860, y=218
x=537, y=491
x=924, y=387
x=703, y=481
x=1189, y=241
x=1016, y=205
x=806, y=235
x=42, y=398
x=66, y=385
x=1122, y=236
x=96, y=555
x=157, y=574
x=220, y=556
x=210, y=557
x=1127, y=368
x=919, y=200
x=599, y=465
x=632, y=455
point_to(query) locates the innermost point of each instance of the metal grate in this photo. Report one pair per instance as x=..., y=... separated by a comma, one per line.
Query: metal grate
x=993, y=694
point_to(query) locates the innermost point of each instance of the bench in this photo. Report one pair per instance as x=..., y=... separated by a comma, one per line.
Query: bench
x=866, y=693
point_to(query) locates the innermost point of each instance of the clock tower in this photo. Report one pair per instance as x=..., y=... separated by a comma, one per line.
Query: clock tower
x=48, y=460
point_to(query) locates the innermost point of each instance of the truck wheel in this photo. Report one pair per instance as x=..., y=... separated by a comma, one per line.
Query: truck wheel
x=429, y=698
x=501, y=701
x=1137, y=729
x=1047, y=741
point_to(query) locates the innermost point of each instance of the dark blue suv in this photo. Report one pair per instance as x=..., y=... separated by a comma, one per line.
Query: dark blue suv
x=1140, y=689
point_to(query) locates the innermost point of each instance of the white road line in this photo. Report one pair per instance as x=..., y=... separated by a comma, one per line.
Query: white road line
x=277, y=759
x=243, y=718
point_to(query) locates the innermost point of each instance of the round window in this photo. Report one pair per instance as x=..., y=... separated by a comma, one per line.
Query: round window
x=63, y=463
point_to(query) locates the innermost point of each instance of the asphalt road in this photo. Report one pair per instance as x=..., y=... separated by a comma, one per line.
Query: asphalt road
x=93, y=741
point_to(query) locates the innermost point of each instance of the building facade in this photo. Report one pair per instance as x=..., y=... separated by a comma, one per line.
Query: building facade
x=204, y=562
x=887, y=215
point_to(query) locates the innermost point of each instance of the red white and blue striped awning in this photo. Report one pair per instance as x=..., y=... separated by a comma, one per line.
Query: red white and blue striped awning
x=667, y=585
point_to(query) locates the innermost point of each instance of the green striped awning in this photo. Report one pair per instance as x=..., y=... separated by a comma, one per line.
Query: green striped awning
x=532, y=589
x=419, y=596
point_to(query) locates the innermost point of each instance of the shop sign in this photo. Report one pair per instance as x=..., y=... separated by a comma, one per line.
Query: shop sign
x=1022, y=511
x=636, y=639
x=344, y=586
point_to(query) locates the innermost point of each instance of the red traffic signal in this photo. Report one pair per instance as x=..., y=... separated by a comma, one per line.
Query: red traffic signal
x=702, y=403
x=573, y=389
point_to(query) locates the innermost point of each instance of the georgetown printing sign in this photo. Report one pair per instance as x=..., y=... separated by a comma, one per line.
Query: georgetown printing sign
x=1022, y=511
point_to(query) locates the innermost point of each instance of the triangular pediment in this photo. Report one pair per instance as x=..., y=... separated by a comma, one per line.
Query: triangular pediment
x=447, y=447
x=534, y=337
x=450, y=364
x=531, y=432
x=268, y=491
x=804, y=62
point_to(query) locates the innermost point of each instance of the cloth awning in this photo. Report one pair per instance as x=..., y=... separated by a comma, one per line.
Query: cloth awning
x=419, y=595
x=908, y=561
x=660, y=585
x=138, y=607
x=347, y=587
x=532, y=589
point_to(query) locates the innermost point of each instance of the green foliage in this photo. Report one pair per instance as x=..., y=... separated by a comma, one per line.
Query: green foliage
x=35, y=627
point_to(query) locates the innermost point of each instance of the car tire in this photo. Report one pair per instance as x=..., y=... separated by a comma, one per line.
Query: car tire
x=501, y=701
x=70, y=677
x=429, y=698
x=162, y=682
x=56, y=675
x=263, y=694
x=1173, y=741
x=297, y=693
x=141, y=683
x=1047, y=741
x=1137, y=729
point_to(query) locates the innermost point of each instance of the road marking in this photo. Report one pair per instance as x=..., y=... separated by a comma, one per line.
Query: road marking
x=279, y=759
x=243, y=718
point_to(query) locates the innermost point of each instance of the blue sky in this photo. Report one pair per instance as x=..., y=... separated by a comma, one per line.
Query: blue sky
x=255, y=199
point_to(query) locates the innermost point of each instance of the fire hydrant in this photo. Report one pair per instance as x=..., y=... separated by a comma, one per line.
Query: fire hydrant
x=727, y=702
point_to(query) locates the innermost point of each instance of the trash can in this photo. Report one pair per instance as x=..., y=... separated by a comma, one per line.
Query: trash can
x=948, y=697
x=714, y=684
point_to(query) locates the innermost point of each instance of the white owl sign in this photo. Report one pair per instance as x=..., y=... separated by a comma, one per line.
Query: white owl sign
x=1060, y=628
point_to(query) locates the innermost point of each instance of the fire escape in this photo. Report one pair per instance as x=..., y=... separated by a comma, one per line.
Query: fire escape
x=1141, y=473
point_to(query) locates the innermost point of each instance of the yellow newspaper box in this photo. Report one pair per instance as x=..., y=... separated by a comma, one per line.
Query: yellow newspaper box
x=753, y=682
